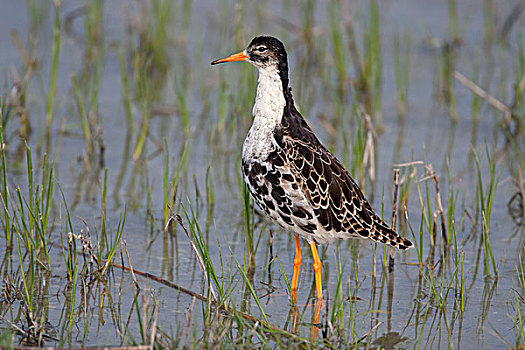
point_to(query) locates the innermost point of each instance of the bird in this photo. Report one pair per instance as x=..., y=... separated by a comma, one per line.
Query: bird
x=292, y=176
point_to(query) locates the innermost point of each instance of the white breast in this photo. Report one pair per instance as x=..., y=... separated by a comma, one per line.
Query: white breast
x=267, y=112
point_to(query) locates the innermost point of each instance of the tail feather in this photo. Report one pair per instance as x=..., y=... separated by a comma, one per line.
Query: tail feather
x=386, y=235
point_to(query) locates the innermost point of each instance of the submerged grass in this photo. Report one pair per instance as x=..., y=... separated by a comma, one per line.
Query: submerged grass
x=29, y=225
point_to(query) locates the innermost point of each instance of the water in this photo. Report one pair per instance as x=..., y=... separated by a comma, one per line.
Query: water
x=217, y=102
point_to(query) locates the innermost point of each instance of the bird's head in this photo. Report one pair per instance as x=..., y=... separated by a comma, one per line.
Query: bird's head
x=264, y=52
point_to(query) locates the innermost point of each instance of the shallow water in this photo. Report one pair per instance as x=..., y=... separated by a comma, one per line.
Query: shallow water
x=217, y=102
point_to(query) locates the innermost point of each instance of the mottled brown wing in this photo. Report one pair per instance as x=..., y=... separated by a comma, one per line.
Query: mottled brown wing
x=338, y=203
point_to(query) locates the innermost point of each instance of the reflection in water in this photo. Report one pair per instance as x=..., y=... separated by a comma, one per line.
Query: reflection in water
x=122, y=171
x=293, y=319
x=314, y=328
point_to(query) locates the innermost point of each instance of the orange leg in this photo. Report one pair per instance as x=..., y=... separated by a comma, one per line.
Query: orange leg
x=317, y=271
x=296, y=268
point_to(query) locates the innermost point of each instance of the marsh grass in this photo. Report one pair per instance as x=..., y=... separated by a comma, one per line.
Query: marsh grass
x=215, y=288
x=486, y=200
x=29, y=225
x=54, y=67
x=126, y=98
x=248, y=222
x=519, y=299
x=173, y=101
x=32, y=224
x=173, y=183
x=148, y=59
x=6, y=220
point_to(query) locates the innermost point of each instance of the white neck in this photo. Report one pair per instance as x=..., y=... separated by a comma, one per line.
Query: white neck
x=267, y=112
x=269, y=102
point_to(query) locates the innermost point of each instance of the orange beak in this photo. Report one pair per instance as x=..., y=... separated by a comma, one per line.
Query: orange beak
x=235, y=57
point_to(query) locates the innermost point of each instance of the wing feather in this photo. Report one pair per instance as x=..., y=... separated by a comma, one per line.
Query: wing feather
x=337, y=201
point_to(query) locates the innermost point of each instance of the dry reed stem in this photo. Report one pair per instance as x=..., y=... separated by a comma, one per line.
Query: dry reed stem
x=407, y=164
x=369, y=152
x=494, y=102
x=188, y=314
x=432, y=175
x=394, y=217
x=369, y=333
x=154, y=327
x=131, y=267
x=196, y=251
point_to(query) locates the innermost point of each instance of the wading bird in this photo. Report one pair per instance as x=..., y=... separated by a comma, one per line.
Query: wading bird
x=291, y=176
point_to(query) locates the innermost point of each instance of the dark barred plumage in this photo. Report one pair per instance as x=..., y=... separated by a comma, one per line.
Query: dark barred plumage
x=298, y=183
x=328, y=203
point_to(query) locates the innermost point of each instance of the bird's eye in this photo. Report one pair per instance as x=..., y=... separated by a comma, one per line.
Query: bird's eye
x=261, y=49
